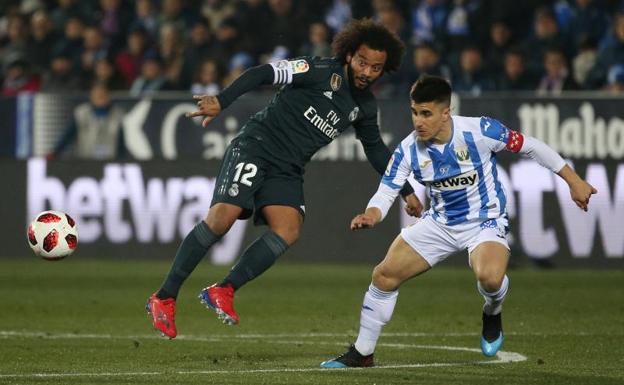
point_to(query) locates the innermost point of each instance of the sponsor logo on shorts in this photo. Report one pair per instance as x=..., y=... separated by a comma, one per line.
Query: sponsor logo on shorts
x=489, y=224
x=494, y=225
x=459, y=182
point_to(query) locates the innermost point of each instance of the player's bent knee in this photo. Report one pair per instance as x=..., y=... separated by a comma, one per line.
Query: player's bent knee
x=221, y=217
x=491, y=282
x=290, y=234
x=384, y=280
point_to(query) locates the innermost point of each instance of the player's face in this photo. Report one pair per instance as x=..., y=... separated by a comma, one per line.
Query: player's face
x=430, y=120
x=366, y=66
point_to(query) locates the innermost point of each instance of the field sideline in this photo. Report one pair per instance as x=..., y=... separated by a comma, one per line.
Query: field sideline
x=83, y=322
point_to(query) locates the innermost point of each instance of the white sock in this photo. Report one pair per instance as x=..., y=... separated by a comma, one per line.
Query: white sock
x=494, y=301
x=376, y=311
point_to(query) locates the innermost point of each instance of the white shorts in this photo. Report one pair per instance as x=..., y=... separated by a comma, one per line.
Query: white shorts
x=435, y=241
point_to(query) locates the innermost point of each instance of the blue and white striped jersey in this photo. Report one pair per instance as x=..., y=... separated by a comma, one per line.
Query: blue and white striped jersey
x=460, y=176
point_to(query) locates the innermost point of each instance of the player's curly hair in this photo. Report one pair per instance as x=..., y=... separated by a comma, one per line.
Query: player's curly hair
x=376, y=36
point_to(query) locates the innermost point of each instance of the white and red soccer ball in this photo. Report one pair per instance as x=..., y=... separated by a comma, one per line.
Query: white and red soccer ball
x=52, y=235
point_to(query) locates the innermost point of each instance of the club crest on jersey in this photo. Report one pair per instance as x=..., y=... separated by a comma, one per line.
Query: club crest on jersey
x=353, y=115
x=462, y=154
x=335, y=82
x=233, y=191
x=444, y=169
x=299, y=66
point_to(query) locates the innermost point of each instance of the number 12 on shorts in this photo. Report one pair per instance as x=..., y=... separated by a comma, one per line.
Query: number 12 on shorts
x=250, y=171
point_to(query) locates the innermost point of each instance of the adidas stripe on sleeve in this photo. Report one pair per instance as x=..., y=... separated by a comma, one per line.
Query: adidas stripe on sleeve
x=282, y=72
x=285, y=70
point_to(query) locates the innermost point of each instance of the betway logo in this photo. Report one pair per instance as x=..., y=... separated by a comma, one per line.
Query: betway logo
x=457, y=183
x=123, y=207
x=326, y=126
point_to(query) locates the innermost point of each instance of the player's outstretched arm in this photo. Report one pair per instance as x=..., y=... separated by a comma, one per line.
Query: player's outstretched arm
x=499, y=137
x=210, y=106
x=393, y=179
x=580, y=190
x=367, y=220
x=378, y=155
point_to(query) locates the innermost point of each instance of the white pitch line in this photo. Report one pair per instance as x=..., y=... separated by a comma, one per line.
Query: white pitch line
x=501, y=357
x=218, y=337
x=29, y=334
x=242, y=371
x=252, y=371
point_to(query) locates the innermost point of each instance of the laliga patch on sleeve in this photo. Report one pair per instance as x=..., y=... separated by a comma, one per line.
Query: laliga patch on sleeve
x=494, y=129
x=299, y=66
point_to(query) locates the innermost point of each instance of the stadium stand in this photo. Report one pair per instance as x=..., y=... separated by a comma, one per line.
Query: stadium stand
x=480, y=45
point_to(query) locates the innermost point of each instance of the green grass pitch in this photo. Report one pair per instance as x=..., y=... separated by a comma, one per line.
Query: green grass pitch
x=83, y=322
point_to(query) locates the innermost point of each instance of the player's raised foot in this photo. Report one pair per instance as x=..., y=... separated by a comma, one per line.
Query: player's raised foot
x=221, y=300
x=491, y=334
x=351, y=359
x=163, y=315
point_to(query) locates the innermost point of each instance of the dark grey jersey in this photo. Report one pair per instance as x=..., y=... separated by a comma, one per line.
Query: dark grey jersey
x=314, y=106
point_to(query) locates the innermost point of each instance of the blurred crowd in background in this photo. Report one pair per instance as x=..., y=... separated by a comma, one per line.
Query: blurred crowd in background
x=200, y=46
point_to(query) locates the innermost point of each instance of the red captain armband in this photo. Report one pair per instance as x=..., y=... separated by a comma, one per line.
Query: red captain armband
x=515, y=141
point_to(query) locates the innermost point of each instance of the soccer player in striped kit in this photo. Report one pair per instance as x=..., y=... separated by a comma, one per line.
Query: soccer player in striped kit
x=455, y=158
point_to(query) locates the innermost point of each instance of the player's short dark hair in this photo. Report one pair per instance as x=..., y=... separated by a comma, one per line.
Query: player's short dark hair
x=376, y=36
x=430, y=88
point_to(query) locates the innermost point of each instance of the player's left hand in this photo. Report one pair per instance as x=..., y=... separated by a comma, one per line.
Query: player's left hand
x=362, y=221
x=207, y=106
x=580, y=192
x=413, y=207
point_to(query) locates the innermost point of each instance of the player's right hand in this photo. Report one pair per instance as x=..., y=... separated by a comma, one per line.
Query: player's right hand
x=207, y=106
x=362, y=221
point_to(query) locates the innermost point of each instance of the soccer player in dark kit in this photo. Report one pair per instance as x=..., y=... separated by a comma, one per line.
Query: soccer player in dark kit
x=262, y=170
